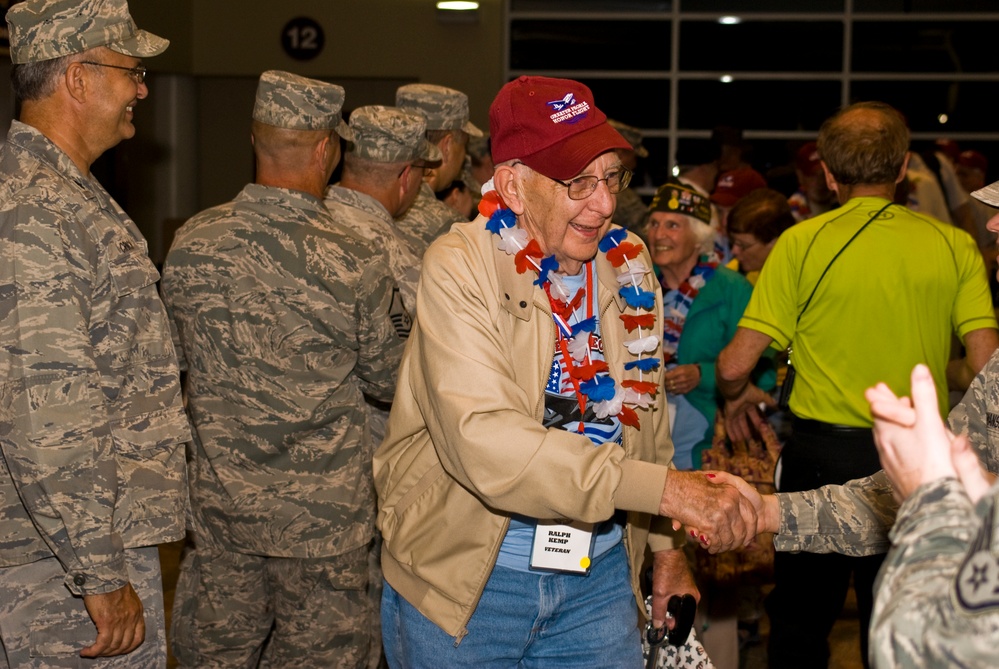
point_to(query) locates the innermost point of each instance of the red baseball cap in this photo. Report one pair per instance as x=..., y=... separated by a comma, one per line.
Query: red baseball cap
x=808, y=160
x=734, y=185
x=551, y=125
x=974, y=160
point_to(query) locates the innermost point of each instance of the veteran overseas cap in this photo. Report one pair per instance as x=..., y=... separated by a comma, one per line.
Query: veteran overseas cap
x=680, y=198
x=445, y=108
x=390, y=135
x=47, y=29
x=286, y=100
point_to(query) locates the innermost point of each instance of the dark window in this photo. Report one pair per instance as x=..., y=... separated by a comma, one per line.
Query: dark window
x=654, y=170
x=757, y=104
x=969, y=106
x=750, y=6
x=638, y=102
x=925, y=46
x=922, y=6
x=761, y=46
x=589, y=45
x=591, y=5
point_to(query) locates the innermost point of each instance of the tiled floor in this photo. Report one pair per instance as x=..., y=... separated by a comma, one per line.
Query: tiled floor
x=843, y=642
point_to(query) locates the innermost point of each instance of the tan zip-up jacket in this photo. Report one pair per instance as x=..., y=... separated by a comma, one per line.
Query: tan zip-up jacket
x=465, y=445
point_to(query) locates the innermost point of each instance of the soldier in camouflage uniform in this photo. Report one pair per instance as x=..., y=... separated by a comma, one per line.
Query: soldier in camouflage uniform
x=935, y=603
x=91, y=421
x=382, y=175
x=449, y=128
x=631, y=212
x=283, y=317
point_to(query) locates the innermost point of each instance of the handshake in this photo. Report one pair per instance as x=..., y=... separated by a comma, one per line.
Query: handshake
x=717, y=509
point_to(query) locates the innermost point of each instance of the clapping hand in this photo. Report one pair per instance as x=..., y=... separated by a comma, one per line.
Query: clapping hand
x=914, y=445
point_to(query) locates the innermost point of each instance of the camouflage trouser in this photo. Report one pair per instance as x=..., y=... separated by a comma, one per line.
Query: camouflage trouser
x=42, y=624
x=237, y=610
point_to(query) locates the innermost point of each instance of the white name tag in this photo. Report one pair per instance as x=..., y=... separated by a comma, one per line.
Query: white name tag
x=562, y=547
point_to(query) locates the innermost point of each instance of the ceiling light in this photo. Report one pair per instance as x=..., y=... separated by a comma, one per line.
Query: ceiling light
x=458, y=5
x=730, y=20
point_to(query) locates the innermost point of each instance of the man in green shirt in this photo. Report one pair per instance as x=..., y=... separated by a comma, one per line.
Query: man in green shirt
x=862, y=293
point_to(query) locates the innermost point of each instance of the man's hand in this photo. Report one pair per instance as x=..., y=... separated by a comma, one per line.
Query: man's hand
x=670, y=576
x=742, y=413
x=120, y=623
x=912, y=441
x=724, y=518
x=766, y=507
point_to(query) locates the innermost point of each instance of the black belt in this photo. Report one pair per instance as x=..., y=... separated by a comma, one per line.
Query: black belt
x=818, y=427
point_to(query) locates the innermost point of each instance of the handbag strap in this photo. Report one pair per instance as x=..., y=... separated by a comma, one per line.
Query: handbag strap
x=838, y=254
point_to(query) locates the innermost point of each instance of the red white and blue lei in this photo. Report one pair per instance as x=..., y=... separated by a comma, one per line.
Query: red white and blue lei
x=594, y=381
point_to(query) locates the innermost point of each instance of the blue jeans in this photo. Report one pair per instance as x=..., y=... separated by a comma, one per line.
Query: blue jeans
x=527, y=619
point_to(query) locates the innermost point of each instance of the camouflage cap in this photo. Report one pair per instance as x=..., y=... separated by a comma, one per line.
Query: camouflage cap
x=390, y=135
x=632, y=134
x=47, y=29
x=286, y=100
x=478, y=147
x=445, y=108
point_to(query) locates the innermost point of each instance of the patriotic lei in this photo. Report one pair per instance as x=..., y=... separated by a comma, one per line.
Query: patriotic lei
x=676, y=306
x=609, y=400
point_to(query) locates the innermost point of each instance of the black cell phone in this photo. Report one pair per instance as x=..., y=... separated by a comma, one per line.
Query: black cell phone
x=784, y=396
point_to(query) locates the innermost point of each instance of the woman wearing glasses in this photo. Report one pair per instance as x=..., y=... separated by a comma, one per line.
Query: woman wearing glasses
x=754, y=225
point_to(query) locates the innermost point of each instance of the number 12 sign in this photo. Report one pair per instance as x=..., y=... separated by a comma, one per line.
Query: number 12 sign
x=302, y=38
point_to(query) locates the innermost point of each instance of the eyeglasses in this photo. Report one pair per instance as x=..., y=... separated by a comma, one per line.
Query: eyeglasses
x=415, y=165
x=138, y=74
x=581, y=188
x=739, y=244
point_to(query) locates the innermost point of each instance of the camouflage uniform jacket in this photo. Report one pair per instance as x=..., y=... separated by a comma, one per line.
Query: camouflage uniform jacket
x=855, y=518
x=937, y=601
x=366, y=216
x=91, y=421
x=426, y=220
x=283, y=316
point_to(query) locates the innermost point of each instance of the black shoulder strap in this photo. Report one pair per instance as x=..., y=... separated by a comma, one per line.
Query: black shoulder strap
x=838, y=254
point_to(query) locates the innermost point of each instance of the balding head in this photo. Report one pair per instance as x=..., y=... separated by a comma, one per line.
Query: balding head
x=864, y=144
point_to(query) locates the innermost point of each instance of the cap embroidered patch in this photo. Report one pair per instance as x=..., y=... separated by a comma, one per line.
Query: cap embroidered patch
x=567, y=110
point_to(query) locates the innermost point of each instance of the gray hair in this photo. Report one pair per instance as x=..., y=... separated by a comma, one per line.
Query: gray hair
x=37, y=80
